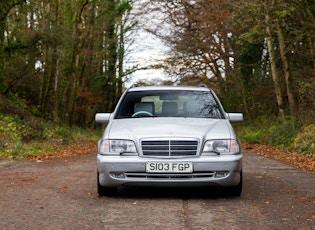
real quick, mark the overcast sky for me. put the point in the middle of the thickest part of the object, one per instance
(146, 50)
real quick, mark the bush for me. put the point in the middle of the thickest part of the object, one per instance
(305, 140)
(252, 135)
(277, 132)
(281, 134)
(11, 129)
(21, 138)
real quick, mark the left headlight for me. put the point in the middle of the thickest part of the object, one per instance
(116, 146)
(221, 146)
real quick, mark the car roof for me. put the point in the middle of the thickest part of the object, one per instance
(151, 88)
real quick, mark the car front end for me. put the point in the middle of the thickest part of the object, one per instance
(172, 150)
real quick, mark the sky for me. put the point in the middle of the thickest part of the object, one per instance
(146, 50)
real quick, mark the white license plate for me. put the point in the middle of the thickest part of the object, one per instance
(169, 167)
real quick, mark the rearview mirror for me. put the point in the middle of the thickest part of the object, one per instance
(169, 97)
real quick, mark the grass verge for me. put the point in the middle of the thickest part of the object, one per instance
(20, 138)
(286, 134)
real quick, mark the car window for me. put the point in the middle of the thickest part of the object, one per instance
(175, 103)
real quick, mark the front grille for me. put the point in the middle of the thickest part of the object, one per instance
(169, 148)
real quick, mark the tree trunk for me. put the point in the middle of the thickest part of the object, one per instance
(286, 69)
(111, 55)
(75, 63)
(272, 59)
(121, 54)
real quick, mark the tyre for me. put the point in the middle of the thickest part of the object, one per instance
(236, 190)
(105, 191)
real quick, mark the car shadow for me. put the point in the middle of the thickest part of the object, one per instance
(173, 192)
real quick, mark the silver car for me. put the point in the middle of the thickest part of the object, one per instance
(169, 136)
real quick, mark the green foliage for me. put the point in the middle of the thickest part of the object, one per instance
(60, 60)
(50, 52)
(280, 133)
(252, 135)
(23, 133)
(305, 140)
(10, 130)
(122, 7)
(21, 138)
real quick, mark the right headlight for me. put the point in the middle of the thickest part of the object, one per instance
(117, 147)
(221, 146)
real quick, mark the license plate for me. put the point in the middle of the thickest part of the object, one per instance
(169, 167)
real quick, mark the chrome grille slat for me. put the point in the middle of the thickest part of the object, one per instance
(169, 147)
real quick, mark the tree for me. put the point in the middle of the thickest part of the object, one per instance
(55, 53)
(201, 41)
(251, 52)
(66, 59)
(5, 8)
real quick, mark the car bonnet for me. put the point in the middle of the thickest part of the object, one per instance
(139, 128)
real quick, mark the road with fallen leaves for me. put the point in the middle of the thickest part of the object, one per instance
(61, 194)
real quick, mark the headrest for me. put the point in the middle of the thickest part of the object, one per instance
(169, 107)
(144, 106)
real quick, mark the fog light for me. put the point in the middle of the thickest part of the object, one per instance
(117, 175)
(221, 174)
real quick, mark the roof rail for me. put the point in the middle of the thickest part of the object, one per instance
(133, 86)
(203, 85)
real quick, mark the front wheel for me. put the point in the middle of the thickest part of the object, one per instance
(105, 191)
(236, 190)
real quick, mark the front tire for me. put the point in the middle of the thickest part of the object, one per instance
(105, 191)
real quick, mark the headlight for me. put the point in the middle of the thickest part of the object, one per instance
(221, 146)
(117, 146)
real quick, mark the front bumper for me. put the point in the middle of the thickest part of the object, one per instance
(223, 170)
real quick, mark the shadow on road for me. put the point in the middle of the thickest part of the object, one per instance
(173, 193)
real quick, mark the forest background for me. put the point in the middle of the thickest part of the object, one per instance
(61, 61)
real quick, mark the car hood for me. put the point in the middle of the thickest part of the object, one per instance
(138, 128)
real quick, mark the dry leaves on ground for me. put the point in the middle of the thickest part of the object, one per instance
(68, 151)
(299, 160)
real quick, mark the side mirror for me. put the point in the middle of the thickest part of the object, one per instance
(102, 117)
(235, 117)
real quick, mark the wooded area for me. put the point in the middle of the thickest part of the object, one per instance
(65, 59)
(258, 55)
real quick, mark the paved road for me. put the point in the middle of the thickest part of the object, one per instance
(61, 194)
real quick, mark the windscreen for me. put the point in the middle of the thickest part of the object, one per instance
(174, 103)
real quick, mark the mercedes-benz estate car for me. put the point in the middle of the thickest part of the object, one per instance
(169, 136)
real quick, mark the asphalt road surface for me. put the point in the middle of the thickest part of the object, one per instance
(61, 194)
